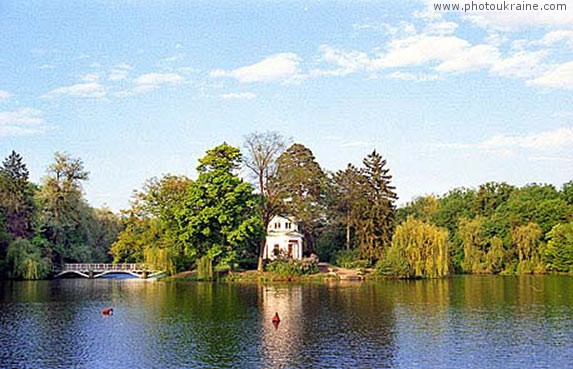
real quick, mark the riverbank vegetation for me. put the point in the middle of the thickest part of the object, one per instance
(218, 221)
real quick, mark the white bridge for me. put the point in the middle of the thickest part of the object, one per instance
(138, 270)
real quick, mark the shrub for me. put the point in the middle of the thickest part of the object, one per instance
(350, 259)
(291, 268)
(393, 264)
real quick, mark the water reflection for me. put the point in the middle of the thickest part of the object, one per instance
(469, 322)
(324, 326)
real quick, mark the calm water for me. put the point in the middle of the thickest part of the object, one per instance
(464, 322)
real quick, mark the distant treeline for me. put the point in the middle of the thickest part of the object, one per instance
(218, 221)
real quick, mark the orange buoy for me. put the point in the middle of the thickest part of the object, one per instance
(108, 311)
(276, 318)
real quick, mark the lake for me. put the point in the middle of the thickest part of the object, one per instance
(461, 322)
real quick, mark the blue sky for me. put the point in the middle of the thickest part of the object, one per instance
(142, 88)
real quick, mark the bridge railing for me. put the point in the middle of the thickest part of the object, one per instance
(103, 267)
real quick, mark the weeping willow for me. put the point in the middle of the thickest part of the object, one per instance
(158, 258)
(423, 246)
(25, 261)
(471, 234)
(526, 240)
(205, 267)
(494, 258)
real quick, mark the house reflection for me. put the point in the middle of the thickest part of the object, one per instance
(322, 326)
(282, 343)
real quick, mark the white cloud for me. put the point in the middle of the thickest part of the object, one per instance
(91, 77)
(89, 90)
(441, 28)
(557, 139)
(420, 49)
(278, 67)
(346, 61)
(156, 79)
(472, 58)
(420, 77)
(522, 64)
(357, 144)
(238, 96)
(554, 37)
(119, 72)
(4, 94)
(21, 122)
(151, 81)
(560, 76)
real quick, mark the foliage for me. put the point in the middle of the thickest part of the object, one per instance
(527, 240)
(290, 268)
(559, 251)
(16, 196)
(377, 215)
(473, 239)
(495, 256)
(350, 259)
(218, 216)
(26, 261)
(150, 226)
(63, 209)
(347, 200)
(158, 258)
(302, 183)
(205, 268)
(330, 242)
(393, 264)
(53, 217)
(420, 246)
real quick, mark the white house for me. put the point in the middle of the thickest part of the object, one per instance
(283, 239)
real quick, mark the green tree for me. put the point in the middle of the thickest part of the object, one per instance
(567, 192)
(473, 239)
(103, 227)
(423, 208)
(26, 261)
(559, 251)
(376, 225)
(490, 196)
(421, 246)
(301, 183)
(62, 206)
(16, 196)
(526, 240)
(263, 150)
(150, 229)
(494, 258)
(219, 217)
(349, 198)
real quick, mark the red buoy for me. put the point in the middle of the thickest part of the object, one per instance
(276, 318)
(108, 311)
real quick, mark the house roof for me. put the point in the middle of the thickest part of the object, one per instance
(274, 233)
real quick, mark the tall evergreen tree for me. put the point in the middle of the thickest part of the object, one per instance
(376, 226)
(16, 196)
(348, 199)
